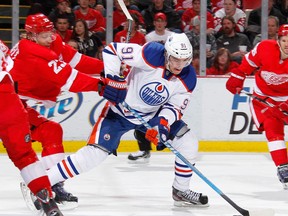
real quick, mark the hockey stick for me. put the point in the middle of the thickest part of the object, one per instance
(129, 18)
(265, 102)
(180, 156)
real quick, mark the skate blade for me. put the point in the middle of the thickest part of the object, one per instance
(67, 206)
(27, 197)
(139, 161)
(189, 205)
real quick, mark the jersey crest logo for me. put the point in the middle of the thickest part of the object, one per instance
(273, 78)
(154, 94)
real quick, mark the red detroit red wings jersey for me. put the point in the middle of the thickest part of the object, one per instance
(41, 73)
(272, 76)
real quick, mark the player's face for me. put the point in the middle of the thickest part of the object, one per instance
(45, 38)
(283, 42)
(176, 65)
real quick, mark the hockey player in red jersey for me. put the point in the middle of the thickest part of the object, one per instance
(269, 61)
(43, 66)
(15, 134)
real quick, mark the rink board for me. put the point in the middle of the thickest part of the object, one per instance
(221, 121)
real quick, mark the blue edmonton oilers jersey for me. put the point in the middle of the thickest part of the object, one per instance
(151, 85)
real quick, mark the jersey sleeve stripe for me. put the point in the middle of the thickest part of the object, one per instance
(75, 60)
(70, 80)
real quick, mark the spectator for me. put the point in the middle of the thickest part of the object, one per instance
(135, 37)
(194, 38)
(142, 5)
(98, 5)
(94, 19)
(73, 43)
(222, 63)
(190, 13)
(88, 42)
(254, 20)
(35, 8)
(119, 18)
(273, 26)
(45, 8)
(230, 9)
(173, 18)
(233, 40)
(282, 5)
(62, 27)
(219, 4)
(182, 5)
(62, 7)
(196, 61)
(160, 33)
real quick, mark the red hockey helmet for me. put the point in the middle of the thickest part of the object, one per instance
(283, 30)
(38, 23)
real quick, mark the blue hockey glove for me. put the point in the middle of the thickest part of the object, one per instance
(159, 132)
(114, 89)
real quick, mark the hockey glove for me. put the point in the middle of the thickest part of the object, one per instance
(159, 132)
(114, 89)
(236, 81)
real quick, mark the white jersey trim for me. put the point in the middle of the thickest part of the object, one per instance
(75, 60)
(70, 80)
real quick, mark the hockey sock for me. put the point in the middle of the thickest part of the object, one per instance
(83, 160)
(183, 175)
(278, 152)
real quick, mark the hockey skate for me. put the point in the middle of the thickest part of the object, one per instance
(189, 198)
(48, 205)
(62, 195)
(282, 172)
(35, 206)
(139, 157)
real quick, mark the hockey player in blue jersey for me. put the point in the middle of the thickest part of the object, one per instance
(159, 88)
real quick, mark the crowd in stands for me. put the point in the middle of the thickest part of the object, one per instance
(232, 31)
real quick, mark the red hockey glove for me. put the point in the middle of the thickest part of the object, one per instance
(159, 132)
(113, 89)
(236, 81)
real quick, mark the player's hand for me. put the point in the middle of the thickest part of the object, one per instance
(159, 132)
(114, 89)
(235, 82)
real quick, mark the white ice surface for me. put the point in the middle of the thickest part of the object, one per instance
(117, 188)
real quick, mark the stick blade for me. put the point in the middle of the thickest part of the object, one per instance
(260, 212)
(124, 9)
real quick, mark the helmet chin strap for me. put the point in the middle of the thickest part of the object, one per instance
(167, 65)
(283, 54)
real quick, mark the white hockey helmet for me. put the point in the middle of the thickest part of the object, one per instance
(179, 46)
